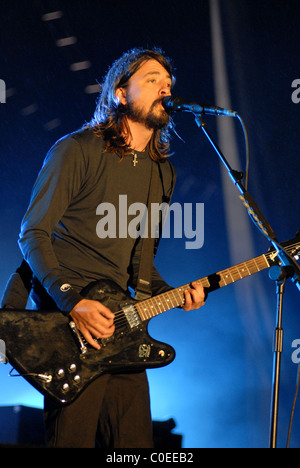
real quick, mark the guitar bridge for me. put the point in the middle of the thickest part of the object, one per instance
(83, 349)
(132, 315)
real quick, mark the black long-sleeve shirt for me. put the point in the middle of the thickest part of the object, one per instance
(62, 236)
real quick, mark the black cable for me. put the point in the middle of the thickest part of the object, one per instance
(247, 150)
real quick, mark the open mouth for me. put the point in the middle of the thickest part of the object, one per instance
(157, 102)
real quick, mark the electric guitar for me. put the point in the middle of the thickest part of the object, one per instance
(50, 353)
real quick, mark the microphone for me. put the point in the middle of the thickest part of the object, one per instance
(177, 104)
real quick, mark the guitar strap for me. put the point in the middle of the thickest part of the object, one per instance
(144, 281)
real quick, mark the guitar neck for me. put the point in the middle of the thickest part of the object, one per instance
(175, 297)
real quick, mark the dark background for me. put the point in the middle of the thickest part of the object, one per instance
(218, 389)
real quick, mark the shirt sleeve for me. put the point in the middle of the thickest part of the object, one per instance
(58, 181)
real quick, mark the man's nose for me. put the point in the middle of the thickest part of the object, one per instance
(165, 90)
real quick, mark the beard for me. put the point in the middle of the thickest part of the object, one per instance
(155, 119)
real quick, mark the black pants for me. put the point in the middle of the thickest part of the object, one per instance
(113, 411)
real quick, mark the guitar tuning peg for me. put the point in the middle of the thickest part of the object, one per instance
(295, 253)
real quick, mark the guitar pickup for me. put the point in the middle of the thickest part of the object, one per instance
(131, 315)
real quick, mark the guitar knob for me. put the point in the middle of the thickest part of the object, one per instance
(77, 378)
(65, 387)
(60, 373)
(72, 367)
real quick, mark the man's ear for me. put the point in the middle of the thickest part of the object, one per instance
(121, 95)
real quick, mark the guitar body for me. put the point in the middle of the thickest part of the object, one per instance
(43, 349)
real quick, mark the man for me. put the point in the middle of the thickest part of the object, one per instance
(111, 156)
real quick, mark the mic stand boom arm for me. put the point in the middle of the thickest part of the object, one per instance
(253, 210)
(289, 268)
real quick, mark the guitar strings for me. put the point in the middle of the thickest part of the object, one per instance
(121, 320)
(120, 317)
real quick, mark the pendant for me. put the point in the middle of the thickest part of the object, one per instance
(134, 159)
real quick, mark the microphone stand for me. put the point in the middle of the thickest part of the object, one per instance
(289, 268)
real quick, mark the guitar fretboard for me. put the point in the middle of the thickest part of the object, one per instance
(176, 298)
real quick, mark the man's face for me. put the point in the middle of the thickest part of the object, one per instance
(144, 93)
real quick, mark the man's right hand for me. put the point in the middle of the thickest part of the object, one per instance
(94, 320)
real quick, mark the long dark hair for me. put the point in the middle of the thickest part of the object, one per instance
(108, 121)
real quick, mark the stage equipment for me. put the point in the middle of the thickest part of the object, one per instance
(288, 269)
